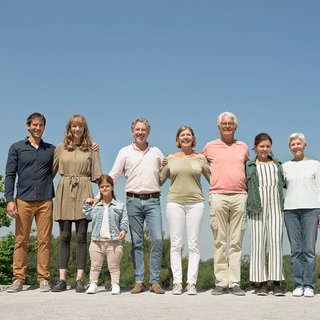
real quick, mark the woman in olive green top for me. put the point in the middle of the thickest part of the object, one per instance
(185, 205)
(78, 166)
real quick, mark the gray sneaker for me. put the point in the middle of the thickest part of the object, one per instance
(44, 286)
(237, 291)
(16, 286)
(218, 290)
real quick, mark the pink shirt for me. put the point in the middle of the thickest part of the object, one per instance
(227, 166)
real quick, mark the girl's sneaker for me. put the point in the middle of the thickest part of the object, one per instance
(93, 288)
(115, 288)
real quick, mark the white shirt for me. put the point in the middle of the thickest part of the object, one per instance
(104, 231)
(140, 168)
(303, 184)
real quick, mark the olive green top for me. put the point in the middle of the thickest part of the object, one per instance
(185, 174)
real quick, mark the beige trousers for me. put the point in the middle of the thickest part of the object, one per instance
(228, 224)
(112, 250)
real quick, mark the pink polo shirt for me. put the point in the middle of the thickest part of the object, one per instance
(227, 166)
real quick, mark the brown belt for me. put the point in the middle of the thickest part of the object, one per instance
(144, 196)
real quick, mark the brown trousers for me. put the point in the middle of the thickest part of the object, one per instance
(42, 212)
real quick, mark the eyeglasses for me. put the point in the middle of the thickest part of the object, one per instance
(227, 124)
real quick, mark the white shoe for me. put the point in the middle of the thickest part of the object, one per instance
(93, 288)
(308, 292)
(297, 292)
(177, 289)
(115, 288)
(191, 289)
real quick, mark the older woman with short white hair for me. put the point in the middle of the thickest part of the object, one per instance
(301, 213)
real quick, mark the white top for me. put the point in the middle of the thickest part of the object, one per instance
(303, 184)
(104, 231)
(140, 168)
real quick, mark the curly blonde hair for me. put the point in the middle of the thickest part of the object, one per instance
(86, 142)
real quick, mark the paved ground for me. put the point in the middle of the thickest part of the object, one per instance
(32, 304)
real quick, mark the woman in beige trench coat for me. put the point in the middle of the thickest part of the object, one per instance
(78, 166)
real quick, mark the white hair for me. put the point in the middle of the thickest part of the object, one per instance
(297, 135)
(228, 114)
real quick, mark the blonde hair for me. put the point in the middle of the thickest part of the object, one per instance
(86, 142)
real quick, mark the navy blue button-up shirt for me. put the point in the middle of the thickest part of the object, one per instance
(34, 170)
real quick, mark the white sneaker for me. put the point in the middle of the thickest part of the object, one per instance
(177, 289)
(191, 289)
(297, 292)
(308, 292)
(115, 288)
(93, 288)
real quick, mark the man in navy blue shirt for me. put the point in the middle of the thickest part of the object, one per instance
(30, 161)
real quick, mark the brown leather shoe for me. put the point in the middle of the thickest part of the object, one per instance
(155, 287)
(138, 288)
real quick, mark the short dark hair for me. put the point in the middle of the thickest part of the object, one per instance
(34, 116)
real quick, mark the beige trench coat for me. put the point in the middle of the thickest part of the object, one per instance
(77, 170)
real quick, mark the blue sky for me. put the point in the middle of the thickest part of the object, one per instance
(173, 62)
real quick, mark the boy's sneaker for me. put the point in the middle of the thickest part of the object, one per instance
(44, 286)
(191, 289)
(308, 292)
(16, 286)
(177, 289)
(297, 292)
(60, 286)
(93, 288)
(115, 288)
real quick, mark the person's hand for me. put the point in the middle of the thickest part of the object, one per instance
(95, 146)
(94, 201)
(122, 235)
(90, 201)
(11, 209)
(164, 161)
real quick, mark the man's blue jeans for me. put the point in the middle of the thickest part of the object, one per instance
(149, 211)
(302, 232)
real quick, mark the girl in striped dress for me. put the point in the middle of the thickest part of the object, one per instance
(265, 209)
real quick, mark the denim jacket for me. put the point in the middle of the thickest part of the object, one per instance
(117, 214)
(254, 201)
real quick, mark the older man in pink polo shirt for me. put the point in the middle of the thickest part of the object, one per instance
(228, 196)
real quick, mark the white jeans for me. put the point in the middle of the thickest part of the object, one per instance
(178, 216)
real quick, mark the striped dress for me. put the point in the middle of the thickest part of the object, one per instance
(266, 229)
